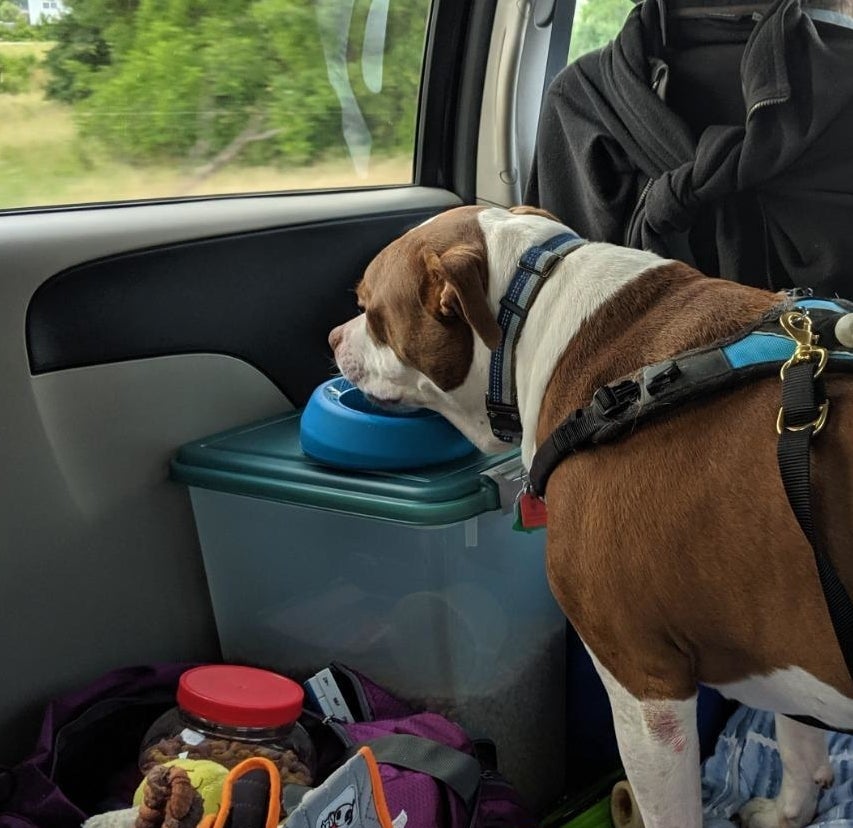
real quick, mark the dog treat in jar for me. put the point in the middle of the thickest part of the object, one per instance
(226, 714)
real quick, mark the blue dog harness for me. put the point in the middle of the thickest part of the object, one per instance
(656, 389)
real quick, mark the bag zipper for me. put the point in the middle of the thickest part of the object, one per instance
(337, 726)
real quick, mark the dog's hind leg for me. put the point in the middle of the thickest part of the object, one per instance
(659, 745)
(805, 771)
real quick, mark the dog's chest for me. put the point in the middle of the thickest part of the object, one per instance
(795, 692)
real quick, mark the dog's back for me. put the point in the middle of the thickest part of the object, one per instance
(674, 551)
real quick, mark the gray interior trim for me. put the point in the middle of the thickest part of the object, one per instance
(498, 180)
(830, 16)
(512, 98)
(100, 560)
(45, 242)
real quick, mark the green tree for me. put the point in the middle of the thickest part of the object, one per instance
(15, 24)
(596, 23)
(10, 13)
(86, 38)
(209, 81)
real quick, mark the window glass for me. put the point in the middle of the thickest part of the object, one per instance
(596, 22)
(105, 100)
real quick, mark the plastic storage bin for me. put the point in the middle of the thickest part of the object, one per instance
(414, 578)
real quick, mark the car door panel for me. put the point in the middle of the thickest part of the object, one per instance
(240, 294)
(125, 332)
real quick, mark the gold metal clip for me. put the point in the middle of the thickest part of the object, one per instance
(818, 424)
(799, 327)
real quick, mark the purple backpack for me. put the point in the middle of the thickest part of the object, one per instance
(85, 759)
(428, 766)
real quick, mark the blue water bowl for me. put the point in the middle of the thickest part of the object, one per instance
(341, 427)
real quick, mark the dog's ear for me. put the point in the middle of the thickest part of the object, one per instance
(455, 279)
(525, 210)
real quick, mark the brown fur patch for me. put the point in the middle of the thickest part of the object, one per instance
(527, 210)
(674, 551)
(420, 330)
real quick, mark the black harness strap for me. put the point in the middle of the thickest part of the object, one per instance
(804, 410)
(584, 428)
(801, 417)
(623, 406)
(802, 398)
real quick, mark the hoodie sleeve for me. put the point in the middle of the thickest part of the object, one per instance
(580, 172)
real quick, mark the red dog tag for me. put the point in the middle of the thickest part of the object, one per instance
(534, 511)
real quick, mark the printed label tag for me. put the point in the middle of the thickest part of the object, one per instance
(191, 737)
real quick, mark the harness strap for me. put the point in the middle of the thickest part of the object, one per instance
(629, 402)
(813, 722)
(804, 407)
(599, 422)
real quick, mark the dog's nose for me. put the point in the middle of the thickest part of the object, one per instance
(335, 337)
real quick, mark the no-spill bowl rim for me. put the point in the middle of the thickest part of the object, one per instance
(340, 427)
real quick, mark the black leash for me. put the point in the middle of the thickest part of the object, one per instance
(804, 411)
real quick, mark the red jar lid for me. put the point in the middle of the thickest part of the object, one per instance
(240, 696)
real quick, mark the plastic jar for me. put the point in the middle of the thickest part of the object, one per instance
(226, 714)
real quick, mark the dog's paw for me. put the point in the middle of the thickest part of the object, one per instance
(760, 813)
(768, 813)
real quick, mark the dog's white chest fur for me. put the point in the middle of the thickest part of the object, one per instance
(796, 692)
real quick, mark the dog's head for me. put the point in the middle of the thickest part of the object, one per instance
(428, 324)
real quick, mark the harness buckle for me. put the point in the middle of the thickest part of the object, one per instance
(504, 420)
(818, 423)
(664, 376)
(612, 399)
(529, 262)
(799, 327)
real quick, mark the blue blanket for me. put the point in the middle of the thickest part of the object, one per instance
(746, 764)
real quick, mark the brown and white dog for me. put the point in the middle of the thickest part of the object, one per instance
(674, 551)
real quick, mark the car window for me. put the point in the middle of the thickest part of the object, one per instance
(596, 22)
(106, 100)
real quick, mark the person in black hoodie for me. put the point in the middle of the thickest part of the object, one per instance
(722, 139)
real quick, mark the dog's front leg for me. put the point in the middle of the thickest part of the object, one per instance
(659, 745)
(805, 770)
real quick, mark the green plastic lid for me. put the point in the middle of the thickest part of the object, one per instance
(265, 460)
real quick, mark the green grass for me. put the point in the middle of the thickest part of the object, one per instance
(29, 47)
(44, 162)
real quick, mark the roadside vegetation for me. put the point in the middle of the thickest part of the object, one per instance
(130, 99)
